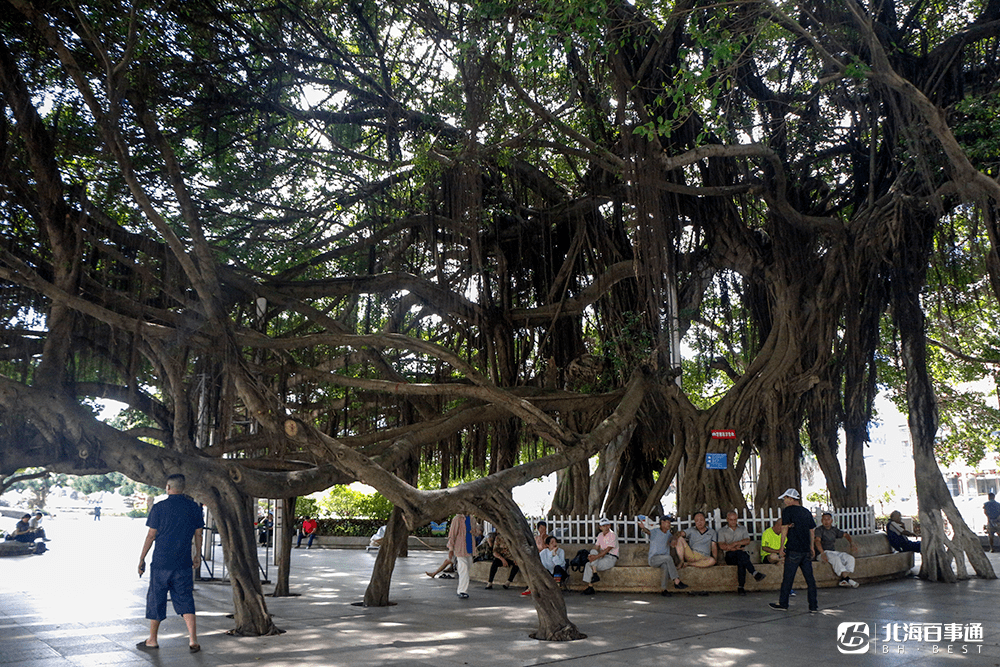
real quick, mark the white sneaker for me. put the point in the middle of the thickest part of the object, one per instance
(845, 582)
(853, 583)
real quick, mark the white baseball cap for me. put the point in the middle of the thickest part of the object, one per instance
(604, 522)
(790, 493)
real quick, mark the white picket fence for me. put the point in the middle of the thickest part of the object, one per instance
(584, 529)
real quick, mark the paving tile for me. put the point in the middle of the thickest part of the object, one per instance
(41, 662)
(25, 650)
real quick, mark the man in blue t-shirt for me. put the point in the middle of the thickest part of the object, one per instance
(172, 525)
(798, 532)
(991, 508)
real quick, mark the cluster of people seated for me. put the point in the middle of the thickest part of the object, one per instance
(28, 529)
(553, 557)
(700, 546)
(671, 550)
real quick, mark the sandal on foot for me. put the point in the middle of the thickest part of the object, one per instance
(143, 646)
(194, 648)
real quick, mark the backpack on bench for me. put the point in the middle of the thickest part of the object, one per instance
(579, 560)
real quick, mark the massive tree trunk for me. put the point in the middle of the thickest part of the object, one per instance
(611, 460)
(553, 621)
(941, 559)
(572, 492)
(283, 548)
(821, 405)
(396, 535)
(234, 519)
(699, 488)
(781, 467)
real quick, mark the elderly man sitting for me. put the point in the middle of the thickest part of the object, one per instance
(699, 547)
(826, 541)
(733, 539)
(604, 557)
(661, 543)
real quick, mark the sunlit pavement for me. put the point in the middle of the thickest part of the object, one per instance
(82, 603)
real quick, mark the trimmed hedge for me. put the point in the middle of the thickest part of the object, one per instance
(358, 528)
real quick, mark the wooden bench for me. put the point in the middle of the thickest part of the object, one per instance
(875, 561)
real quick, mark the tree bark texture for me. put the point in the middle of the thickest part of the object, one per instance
(941, 559)
(396, 535)
(553, 620)
(283, 549)
(572, 492)
(234, 520)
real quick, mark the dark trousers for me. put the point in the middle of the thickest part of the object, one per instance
(795, 560)
(900, 543)
(312, 536)
(741, 559)
(497, 564)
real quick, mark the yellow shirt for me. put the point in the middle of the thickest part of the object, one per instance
(769, 539)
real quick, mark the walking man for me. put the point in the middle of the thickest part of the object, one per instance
(172, 524)
(798, 532)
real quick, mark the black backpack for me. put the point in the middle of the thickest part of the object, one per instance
(579, 560)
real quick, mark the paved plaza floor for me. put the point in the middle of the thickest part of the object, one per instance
(82, 604)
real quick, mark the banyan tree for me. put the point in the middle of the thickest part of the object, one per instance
(316, 242)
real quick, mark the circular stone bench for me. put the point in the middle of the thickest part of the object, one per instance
(14, 548)
(875, 561)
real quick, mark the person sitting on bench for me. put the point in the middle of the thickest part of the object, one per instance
(897, 534)
(23, 531)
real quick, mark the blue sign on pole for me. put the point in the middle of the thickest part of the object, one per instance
(715, 461)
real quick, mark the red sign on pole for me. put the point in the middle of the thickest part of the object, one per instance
(723, 434)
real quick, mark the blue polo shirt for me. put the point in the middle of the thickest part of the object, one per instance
(175, 520)
(659, 542)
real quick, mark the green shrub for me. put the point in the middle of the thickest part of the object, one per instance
(138, 513)
(359, 528)
(346, 503)
(306, 507)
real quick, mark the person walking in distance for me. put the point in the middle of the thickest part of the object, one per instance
(798, 532)
(172, 524)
